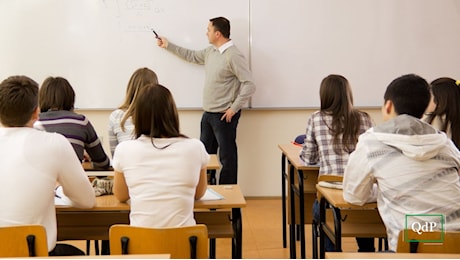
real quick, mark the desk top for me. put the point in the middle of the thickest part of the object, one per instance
(335, 198)
(292, 152)
(213, 164)
(355, 255)
(132, 256)
(233, 198)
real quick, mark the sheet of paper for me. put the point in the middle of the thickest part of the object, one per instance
(60, 198)
(333, 185)
(212, 195)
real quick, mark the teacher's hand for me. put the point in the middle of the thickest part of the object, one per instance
(162, 42)
(228, 115)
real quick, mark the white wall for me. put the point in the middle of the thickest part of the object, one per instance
(259, 133)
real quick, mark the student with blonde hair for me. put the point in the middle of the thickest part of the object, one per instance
(120, 124)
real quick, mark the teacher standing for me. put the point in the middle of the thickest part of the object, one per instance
(227, 88)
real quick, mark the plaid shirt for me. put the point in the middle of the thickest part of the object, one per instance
(318, 148)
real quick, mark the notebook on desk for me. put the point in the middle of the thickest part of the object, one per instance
(333, 185)
(212, 195)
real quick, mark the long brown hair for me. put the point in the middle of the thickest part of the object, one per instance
(337, 101)
(446, 94)
(155, 114)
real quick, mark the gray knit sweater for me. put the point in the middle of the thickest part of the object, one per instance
(228, 80)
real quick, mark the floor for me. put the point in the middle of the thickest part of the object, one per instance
(262, 234)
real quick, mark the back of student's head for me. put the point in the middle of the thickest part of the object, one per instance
(410, 94)
(337, 100)
(335, 94)
(18, 100)
(56, 93)
(155, 113)
(446, 96)
(139, 78)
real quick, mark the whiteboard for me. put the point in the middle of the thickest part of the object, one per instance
(291, 45)
(296, 43)
(98, 44)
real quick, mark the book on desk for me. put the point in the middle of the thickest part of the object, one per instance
(61, 199)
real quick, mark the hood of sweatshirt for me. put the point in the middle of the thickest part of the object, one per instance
(413, 137)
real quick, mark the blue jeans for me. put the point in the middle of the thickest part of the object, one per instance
(217, 134)
(365, 244)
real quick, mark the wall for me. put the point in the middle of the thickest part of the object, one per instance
(259, 133)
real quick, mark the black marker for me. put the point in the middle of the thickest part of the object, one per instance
(156, 35)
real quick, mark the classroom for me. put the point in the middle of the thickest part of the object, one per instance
(291, 45)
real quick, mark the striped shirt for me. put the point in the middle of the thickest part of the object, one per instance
(116, 134)
(318, 147)
(78, 130)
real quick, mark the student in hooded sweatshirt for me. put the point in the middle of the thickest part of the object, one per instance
(415, 167)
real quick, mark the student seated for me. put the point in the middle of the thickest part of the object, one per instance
(331, 135)
(57, 99)
(162, 171)
(32, 162)
(415, 166)
(444, 108)
(120, 124)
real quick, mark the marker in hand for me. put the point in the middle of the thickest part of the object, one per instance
(156, 36)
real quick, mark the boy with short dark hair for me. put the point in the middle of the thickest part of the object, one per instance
(414, 165)
(32, 162)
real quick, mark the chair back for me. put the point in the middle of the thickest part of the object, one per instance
(410, 241)
(23, 241)
(179, 242)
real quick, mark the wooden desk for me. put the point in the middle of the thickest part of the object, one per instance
(94, 223)
(355, 255)
(371, 226)
(307, 176)
(151, 256)
(212, 166)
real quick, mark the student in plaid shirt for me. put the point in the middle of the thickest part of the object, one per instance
(332, 134)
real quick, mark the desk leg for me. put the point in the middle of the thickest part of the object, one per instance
(237, 245)
(302, 214)
(338, 229)
(292, 232)
(212, 175)
(322, 222)
(212, 248)
(283, 197)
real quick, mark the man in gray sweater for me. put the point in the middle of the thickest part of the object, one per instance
(228, 86)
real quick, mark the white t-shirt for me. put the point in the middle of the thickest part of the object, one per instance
(161, 182)
(31, 162)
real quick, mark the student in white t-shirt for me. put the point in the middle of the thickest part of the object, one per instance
(162, 171)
